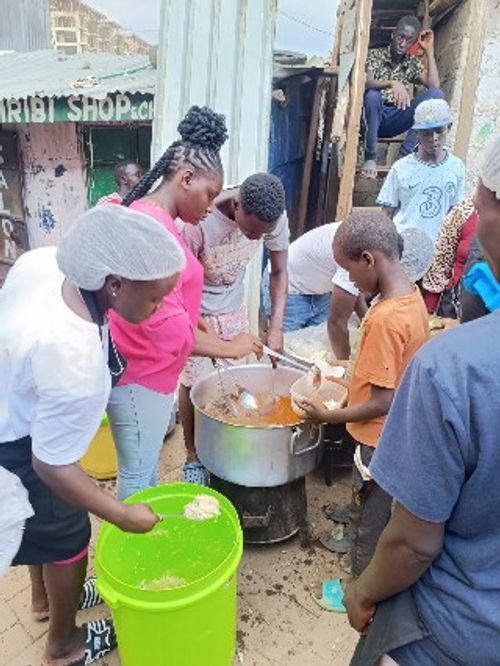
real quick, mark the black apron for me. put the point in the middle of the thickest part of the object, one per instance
(57, 530)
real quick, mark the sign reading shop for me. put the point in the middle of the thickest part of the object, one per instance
(77, 109)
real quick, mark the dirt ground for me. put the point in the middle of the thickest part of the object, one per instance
(278, 620)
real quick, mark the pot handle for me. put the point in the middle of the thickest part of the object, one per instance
(297, 431)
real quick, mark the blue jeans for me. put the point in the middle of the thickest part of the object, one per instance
(385, 121)
(304, 310)
(301, 310)
(139, 420)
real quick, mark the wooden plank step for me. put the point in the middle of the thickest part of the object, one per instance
(394, 139)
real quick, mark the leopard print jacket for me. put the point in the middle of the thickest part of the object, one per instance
(440, 273)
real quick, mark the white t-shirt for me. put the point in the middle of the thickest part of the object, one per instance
(311, 266)
(54, 379)
(423, 192)
(225, 253)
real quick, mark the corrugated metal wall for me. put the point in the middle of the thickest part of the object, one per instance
(24, 25)
(219, 53)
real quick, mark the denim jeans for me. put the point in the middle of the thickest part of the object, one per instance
(139, 420)
(385, 121)
(301, 310)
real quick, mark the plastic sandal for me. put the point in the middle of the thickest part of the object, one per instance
(332, 596)
(340, 546)
(194, 472)
(339, 513)
(90, 595)
(100, 640)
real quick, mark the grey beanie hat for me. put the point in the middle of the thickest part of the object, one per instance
(114, 240)
(418, 253)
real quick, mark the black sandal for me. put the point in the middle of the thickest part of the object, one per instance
(90, 595)
(100, 640)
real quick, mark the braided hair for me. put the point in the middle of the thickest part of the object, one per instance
(203, 132)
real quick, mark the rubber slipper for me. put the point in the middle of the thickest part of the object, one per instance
(100, 640)
(194, 472)
(339, 513)
(335, 545)
(90, 595)
(332, 596)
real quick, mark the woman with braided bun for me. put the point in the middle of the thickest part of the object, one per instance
(140, 406)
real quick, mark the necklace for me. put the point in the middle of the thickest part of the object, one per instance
(115, 359)
(80, 295)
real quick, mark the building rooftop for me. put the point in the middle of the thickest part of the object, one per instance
(51, 74)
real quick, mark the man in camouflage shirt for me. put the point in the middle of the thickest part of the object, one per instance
(388, 108)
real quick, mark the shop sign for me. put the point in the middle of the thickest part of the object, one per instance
(77, 109)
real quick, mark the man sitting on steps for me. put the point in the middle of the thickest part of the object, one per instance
(388, 109)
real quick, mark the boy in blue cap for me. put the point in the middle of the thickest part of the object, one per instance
(422, 187)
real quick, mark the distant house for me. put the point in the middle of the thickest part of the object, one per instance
(78, 28)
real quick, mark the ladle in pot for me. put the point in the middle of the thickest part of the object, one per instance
(244, 398)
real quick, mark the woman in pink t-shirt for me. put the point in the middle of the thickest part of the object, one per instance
(156, 351)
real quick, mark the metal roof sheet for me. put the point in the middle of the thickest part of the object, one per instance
(51, 74)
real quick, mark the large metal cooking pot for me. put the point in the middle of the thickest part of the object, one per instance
(253, 456)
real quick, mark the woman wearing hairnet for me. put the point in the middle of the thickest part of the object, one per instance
(190, 177)
(54, 386)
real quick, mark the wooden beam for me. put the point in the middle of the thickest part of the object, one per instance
(330, 103)
(470, 76)
(438, 6)
(309, 157)
(358, 90)
(426, 20)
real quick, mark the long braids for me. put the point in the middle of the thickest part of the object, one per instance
(203, 132)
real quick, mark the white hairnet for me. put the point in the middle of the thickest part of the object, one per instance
(114, 240)
(490, 165)
(418, 253)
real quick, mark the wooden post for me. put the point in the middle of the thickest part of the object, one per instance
(357, 93)
(439, 6)
(309, 157)
(470, 76)
(326, 165)
(427, 21)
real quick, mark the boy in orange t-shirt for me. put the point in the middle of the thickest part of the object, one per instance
(394, 328)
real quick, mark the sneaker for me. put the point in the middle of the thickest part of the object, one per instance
(339, 513)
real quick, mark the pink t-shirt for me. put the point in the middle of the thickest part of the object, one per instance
(113, 198)
(157, 350)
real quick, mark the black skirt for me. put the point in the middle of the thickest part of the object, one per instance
(57, 530)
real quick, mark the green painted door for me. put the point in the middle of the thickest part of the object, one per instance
(104, 147)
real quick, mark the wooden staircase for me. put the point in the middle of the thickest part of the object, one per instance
(366, 190)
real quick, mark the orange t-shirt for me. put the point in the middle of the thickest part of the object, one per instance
(393, 331)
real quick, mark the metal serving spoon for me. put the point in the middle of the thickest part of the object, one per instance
(244, 398)
(296, 364)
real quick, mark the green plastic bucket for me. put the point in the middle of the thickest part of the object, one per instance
(191, 620)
